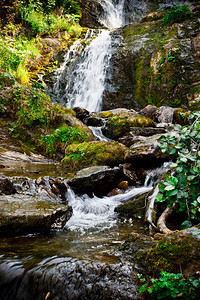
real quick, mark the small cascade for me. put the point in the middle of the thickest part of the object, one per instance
(153, 176)
(97, 131)
(97, 213)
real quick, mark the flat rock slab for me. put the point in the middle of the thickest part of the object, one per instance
(98, 179)
(27, 214)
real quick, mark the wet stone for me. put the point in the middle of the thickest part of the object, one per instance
(98, 179)
(6, 186)
(28, 214)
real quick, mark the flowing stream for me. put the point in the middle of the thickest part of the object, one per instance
(81, 262)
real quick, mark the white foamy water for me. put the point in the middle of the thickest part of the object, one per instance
(84, 81)
(95, 212)
(85, 84)
(97, 131)
(113, 13)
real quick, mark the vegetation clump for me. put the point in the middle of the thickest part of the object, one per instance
(20, 40)
(182, 187)
(61, 138)
(37, 122)
(170, 286)
(177, 13)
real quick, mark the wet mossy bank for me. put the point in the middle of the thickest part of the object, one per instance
(176, 253)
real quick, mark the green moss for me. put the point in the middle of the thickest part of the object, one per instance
(181, 116)
(134, 208)
(106, 114)
(93, 153)
(172, 254)
(156, 71)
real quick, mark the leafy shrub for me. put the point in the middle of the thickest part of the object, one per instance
(177, 13)
(44, 22)
(32, 106)
(15, 53)
(68, 6)
(169, 286)
(183, 186)
(61, 138)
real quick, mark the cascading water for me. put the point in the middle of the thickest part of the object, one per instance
(85, 79)
(97, 212)
(113, 13)
(86, 84)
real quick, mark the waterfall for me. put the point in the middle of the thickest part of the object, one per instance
(85, 77)
(85, 83)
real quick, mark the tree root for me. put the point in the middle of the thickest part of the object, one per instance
(150, 209)
(161, 224)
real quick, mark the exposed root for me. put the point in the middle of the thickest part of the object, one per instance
(161, 224)
(150, 209)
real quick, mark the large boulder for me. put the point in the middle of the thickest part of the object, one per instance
(135, 207)
(146, 152)
(120, 121)
(137, 134)
(28, 214)
(78, 156)
(91, 11)
(98, 180)
(172, 251)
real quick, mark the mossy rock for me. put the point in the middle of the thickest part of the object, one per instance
(181, 116)
(147, 153)
(149, 66)
(180, 250)
(78, 156)
(133, 208)
(121, 121)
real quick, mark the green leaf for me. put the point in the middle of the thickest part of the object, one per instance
(174, 165)
(172, 180)
(196, 283)
(160, 198)
(172, 150)
(197, 126)
(183, 159)
(186, 224)
(169, 188)
(143, 288)
(150, 290)
(172, 193)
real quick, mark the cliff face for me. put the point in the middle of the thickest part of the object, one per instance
(156, 64)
